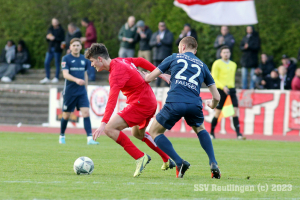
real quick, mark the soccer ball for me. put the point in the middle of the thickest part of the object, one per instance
(83, 165)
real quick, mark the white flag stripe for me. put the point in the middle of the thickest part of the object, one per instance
(222, 13)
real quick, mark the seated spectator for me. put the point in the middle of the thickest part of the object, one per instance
(8, 53)
(265, 67)
(22, 58)
(285, 80)
(271, 81)
(296, 80)
(73, 32)
(290, 65)
(187, 31)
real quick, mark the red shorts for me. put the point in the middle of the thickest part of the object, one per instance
(135, 114)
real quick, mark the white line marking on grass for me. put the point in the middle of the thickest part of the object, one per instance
(36, 182)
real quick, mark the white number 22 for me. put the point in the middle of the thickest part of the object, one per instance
(192, 79)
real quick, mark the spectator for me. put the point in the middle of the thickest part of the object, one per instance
(285, 81)
(225, 38)
(271, 81)
(187, 31)
(290, 66)
(88, 40)
(250, 46)
(126, 36)
(8, 53)
(161, 41)
(265, 67)
(143, 36)
(73, 32)
(55, 36)
(22, 58)
(296, 80)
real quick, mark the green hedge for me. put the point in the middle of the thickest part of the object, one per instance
(279, 24)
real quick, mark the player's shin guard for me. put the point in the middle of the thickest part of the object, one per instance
(164, 144)
(128, 146)
(214, 123)
(149, 141)
(236, 124)
(63, 126)
(87, 126)
(206, 144)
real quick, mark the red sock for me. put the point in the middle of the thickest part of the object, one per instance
(128, 146)
(149, 141)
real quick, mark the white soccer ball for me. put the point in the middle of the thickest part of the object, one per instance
(83, 165)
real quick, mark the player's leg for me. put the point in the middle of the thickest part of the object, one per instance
(194, 118)
(87, 125)
(235, 117)
(114, 130)
(218, 109)
(63, 126)
(83, 105)
(141, 134)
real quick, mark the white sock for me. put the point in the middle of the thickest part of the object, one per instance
(89, 138)
(61, 137)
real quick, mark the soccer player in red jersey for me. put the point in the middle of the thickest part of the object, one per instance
(125, 77)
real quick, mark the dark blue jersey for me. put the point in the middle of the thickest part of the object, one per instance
(77, 67)
(187, 74)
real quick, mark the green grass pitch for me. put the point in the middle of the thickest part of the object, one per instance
(35, 166)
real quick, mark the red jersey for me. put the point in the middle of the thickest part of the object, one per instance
(124, 76)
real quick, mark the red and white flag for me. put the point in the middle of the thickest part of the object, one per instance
(220, 12)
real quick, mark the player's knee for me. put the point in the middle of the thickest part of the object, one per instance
(66, 116)
(138, 135)
(85, 114)
(109, 132)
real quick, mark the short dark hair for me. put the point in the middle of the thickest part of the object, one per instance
(86, 20)
(75, 40)
(97, 49)
(190, 42)
(224, 47)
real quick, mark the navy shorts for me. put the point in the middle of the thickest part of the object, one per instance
(173, 112)
(70, 102)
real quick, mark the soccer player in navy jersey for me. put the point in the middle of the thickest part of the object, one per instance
(187, 74)
(74, 67)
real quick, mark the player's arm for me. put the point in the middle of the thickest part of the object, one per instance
(153, 75)
(215, 97)
(86, 78)
(69, 77)
(145, 64)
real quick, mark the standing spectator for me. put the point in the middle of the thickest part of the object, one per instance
(250, 46)
(161, 41)
(73, 32)
(126, 36)
(225, 38)
(55, 36)
(296, 80)
(187, 31)
(22, 57)
(265, 67)
(285, 81)
(88, 40)
(290, 66)
(143, 36)
(271, 81)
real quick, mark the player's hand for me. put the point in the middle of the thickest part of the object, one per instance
(209, 103)
(226, 90)
(80, 82)
(165, 77)
(99, 131)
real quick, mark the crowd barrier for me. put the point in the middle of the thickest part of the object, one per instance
(261, 112)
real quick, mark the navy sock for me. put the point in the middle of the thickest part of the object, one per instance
(87, 126)
(63, 126)
(206, 144)
(164, 144)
